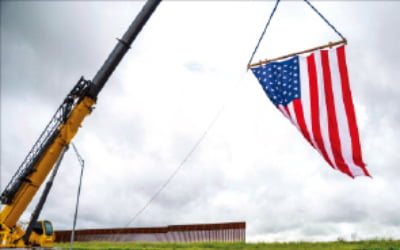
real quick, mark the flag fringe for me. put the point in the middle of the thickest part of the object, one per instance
(330, 45)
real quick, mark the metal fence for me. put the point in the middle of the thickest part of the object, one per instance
(219, 232)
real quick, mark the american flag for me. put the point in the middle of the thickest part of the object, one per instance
(313, 92)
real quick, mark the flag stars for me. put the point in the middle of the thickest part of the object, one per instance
(280, 80)
(283, 89)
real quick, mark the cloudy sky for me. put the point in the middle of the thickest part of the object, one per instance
(186, 69)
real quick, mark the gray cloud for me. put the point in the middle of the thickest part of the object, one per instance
(253, 165)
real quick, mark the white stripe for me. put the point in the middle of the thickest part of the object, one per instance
(282, 109)
(305, 97)
(293, 115)
(323, 117)
(344, 132)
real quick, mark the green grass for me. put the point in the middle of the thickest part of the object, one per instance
(336, 245)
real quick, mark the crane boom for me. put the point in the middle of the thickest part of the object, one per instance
(58, 134)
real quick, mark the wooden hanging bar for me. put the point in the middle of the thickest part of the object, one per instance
(330, 45)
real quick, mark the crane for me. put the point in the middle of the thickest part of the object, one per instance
(47, 152)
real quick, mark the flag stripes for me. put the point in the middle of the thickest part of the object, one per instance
(324, 112)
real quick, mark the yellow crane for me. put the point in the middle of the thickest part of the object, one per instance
(47, 152)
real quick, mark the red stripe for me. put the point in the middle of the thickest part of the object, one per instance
(349, 108)
(333, 129)
(315, 124)
(298, 110)
(283, 111)
(287, 112)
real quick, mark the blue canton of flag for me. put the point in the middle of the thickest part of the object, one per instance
(280, 80)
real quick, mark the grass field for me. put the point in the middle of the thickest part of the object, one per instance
(337, 245)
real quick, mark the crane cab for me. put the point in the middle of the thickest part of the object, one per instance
(42, 234)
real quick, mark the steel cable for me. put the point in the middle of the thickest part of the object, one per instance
(185, 159)
(265, 29)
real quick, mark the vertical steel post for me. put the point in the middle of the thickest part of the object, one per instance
(82, 163)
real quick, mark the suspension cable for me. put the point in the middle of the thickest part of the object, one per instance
(265, 29)
(326, 20)
(269, 20)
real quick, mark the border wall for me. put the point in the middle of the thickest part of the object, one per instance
(219, 232)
